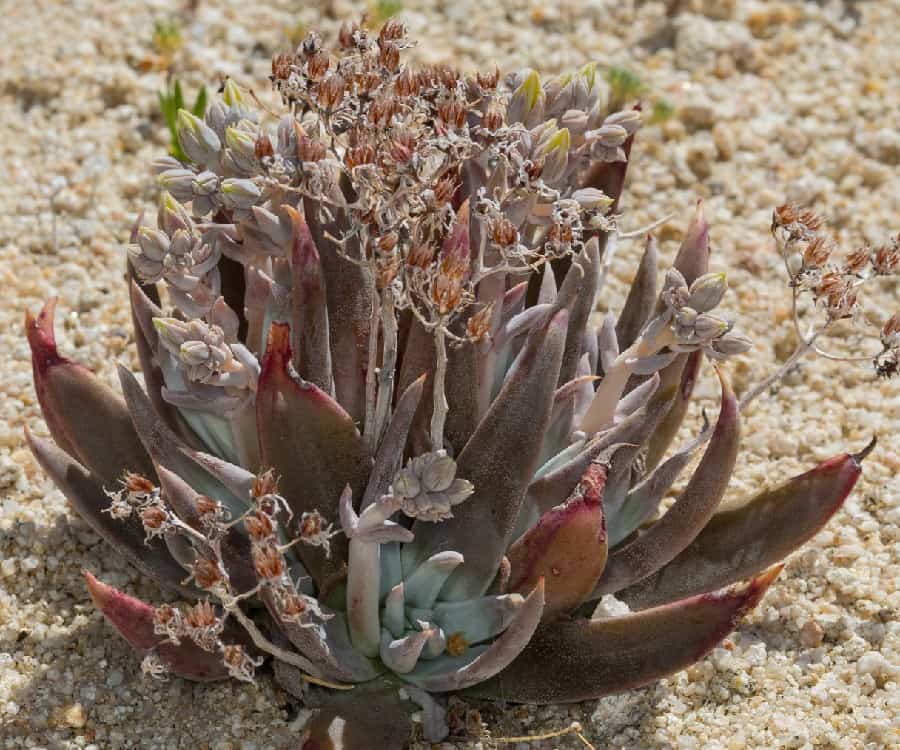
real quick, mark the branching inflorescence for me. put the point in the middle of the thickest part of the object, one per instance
(379, 437)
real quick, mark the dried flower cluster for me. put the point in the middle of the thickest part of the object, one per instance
(836, 285)
(379, 438)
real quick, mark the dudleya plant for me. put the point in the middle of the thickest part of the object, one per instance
(380, 438)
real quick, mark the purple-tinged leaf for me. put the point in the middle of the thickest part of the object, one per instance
(85, 493)
(583, 659)
(389, 454)
(168, 450)
(134, 621)
(741, 541)
(692, 258)
(641, 297)
(672, 533)
(309, 316)
(87, 419)
(567, 548)
(581, 307)
(437, 677)
(482, 526)
(311, 443)
(349, 291)
(682, 372)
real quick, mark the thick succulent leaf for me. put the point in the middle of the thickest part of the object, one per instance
(443, 675)
(234, 544)
(682, 374)
(311, 443)
(401, 654)
(168, 450)
(582, 659)
(558, 478)
(683, 521)
(462, 388)
(422, 585)
(309, 314)
(641, 297)
(419, 359)
(514, 426)
(389, 454)
(349, 292)
(85, 493)
(692, 258)
(134, 621)
(581, 308)
(567, 548)
(87, 419)
(642, 500)
(478, 620)
(741, 541)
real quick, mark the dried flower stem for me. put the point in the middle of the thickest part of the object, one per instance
(388, 364)
(439, 416)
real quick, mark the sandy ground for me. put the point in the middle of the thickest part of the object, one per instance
(772, 101)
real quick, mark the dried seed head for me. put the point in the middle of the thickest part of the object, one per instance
(488, 81)
(886, 259)
(281, 66)
(167, 622)
(447, 286)
(263, 147)
(265, 484)
(207, 573)
(444, 190)
(201, 615)
(259, 526)
(152, 666)
(389, 57)
(421, 255)
(359, 155)
(817, 252)
(310, 149)
(268, 561)
(331, 92)
(504, 232)
(479, 325)
(890, 333)
(238, 662)
(317, 66)
(407, 84)
(207, 506)
(347, 35)
(155, 520)
(137, 484)
(492, 119)
(392, 31)
(857, 260)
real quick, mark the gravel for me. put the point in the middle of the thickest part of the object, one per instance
(772, 101)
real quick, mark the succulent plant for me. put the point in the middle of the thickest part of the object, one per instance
(382, 437)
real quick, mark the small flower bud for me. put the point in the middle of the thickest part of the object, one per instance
(592, 199)
(438, 472)
(556, 156)
(708, 327)
(240, 193)
(198, 141)
(527, 102)
(268, 561)
(231, 94)
(707, 292)
(179, 182)
(732, 344)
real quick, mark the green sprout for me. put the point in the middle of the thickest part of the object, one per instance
(661, 111)
(167, 38)
(170, 101)
(624, 84)
(382, 10)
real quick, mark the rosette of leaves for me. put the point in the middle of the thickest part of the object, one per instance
(381, 437)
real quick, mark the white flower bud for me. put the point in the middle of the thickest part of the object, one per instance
(238, 193)
(707, 292)
(592, 198)
(708, 327)
(439, 472)
(527, 102)
(732, 344)
(198, 141)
